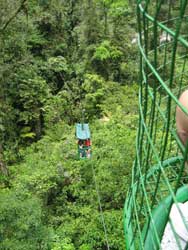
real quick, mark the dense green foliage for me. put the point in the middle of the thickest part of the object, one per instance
(57, 58)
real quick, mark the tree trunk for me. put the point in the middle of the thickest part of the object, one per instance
(105, 20)
(3, 167)
(38, 124)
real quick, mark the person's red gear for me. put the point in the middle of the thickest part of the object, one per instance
(87, 143)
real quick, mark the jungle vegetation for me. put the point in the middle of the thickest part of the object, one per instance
(57, 58)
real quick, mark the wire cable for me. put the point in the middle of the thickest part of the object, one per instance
(101, 210)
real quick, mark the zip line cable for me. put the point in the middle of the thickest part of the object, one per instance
(100, 206)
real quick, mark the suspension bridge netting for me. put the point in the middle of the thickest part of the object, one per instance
(159, 178)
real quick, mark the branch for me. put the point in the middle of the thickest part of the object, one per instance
(14, 15)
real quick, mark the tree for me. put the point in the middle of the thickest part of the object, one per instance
(32, 92)
(21, 222)
(106, 60)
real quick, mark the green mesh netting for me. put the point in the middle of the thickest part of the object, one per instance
(159, 178)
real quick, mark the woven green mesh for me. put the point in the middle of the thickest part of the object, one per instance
(159, 178)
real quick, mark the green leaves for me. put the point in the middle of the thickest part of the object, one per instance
(31, 94)
(64, 244)
(21, 224)
(106, 59)
(94, 87)
(102, 53)
(65, 186)
(120, 8)
(26, 133)
(57, 58)
(106, 51)
(58, 64)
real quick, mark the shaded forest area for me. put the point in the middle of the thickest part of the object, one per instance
(57, 58)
